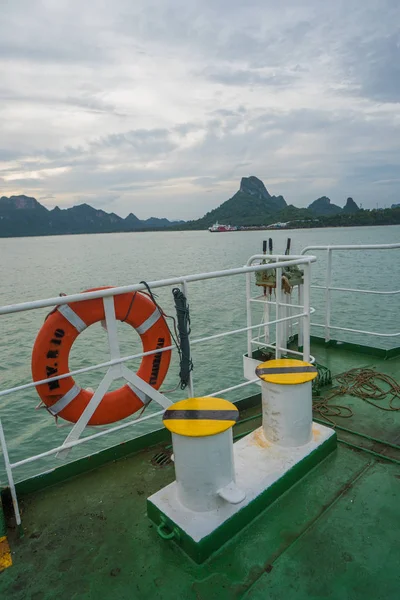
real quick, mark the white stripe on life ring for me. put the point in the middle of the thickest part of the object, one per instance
(65, 400)
(141, 395)
(149, 322)
(72, 317)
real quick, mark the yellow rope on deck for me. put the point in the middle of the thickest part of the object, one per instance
(363, 383)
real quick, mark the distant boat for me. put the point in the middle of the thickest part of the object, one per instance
(218, 228)
(277, 226)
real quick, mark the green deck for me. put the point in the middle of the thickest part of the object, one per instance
(333, 535)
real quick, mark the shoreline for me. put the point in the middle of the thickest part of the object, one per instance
(169, 230)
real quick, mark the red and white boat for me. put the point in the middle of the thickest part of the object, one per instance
(218, 228)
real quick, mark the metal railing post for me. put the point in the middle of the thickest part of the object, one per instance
(306, 318)
(248, 309)
(278, 301)
(328, 296)
(266, 320)
(300, 324)
(9, 475)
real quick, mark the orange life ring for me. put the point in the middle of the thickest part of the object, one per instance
(63, 397)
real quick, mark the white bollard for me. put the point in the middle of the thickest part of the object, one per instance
(203, 452)
(287, 401)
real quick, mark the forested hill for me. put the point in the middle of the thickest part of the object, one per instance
(25, 216)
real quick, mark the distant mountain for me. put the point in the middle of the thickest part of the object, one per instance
(322, 207)
(132, 221)
(254, 205)
(252, 186)
(20, 203)
(155, 222)
(350, 206)
(251, 205)
(23, 216)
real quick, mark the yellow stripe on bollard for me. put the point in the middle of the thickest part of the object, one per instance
(200, 417)
(286, 371)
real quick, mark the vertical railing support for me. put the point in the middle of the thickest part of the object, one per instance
(328, 296)
(300, 324)
(306, 318)
(10, 475)
(266, 320)
(248, 309)
(278, 299)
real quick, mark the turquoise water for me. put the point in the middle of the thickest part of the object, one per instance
(34, 268)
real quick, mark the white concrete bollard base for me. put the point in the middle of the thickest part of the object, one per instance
(259, 466)
(287, 413)
(204, 471)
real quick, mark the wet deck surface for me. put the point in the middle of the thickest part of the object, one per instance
(333, 535)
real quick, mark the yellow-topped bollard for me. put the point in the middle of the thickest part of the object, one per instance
(202, 441)
(287, 400)
(199, 417)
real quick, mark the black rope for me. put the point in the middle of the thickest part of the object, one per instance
(129, 309)
(183, 316)
(163, 314)
(181, 333)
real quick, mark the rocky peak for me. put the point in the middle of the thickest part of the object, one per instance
(21, 202)
(350, 206)
(322, 206)
(132, 219)
(254, 187)
(324, 201)
(83, 208)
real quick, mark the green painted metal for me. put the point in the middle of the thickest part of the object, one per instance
(375, 454)
(359, 348)
(89, 463)
(357, 560)
(89, 538)
(357, 433)
(200, 551)
(3, 528)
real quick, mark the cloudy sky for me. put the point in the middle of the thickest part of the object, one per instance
(159, 107)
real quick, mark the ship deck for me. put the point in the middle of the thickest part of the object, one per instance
(333, 535)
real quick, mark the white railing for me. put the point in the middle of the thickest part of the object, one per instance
(116, 367)
(327, 326)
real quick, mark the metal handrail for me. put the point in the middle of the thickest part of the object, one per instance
(329, 288)
(352, 247)
(337, 289)
(115, 291)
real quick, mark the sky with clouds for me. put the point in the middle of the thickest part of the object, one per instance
(159, 107)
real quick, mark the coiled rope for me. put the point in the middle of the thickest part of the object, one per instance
(364, 383)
